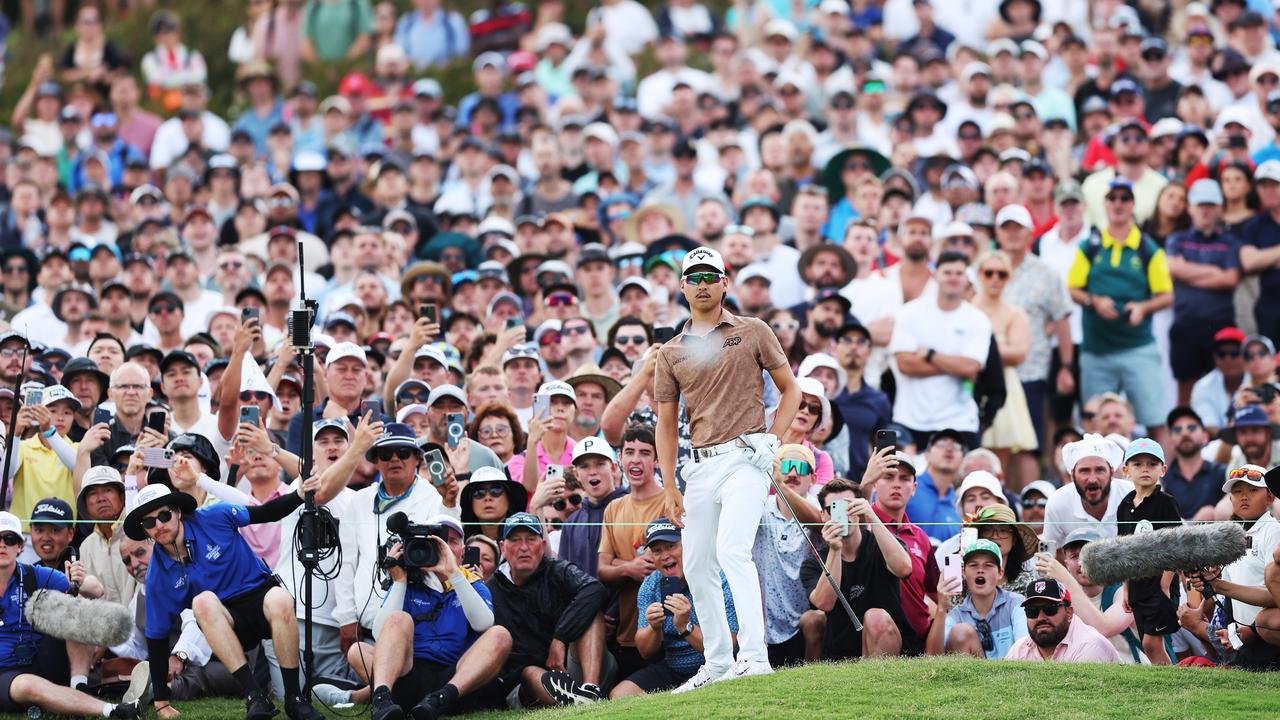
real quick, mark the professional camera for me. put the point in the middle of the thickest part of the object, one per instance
(420, 552)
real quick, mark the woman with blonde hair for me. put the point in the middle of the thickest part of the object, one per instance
(1011, 431)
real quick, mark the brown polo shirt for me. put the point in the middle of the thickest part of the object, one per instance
(720, 376)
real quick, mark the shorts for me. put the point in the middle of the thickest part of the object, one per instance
(248, 617)
(1135, 372)
(1191, 346)
(426, 677)
(660, 676)
(788, 652)
(50, 663)
(1153, 612)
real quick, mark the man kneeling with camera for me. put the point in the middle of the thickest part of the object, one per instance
(437, 648)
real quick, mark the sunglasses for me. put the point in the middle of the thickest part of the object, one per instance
(409, 397)
(799, 467)
(56, 364)
(1256, 355)
(10, 269)
(549, 339)
(574, 499)
(628, 262)
(1119, 198)
(1025, 115)
(984, 634)
(575, 330)
(970, 136)
(493, 491)
(858, 340)
(787, 326)
(280, 202)
(1227, 353)
(700, 278)
(1245, 474)
(385, 454)
(561, 299)
(149, 523)
(630, 340)
(1035, 611)
(619, 216)
(960, 240)
(13, 540)
(1028, 504)
(253, 395)
(231, 265)
(811, 408)
(842, 105)
(1188, 428)
(991, 274)
(857, 165)
(1133, 138)
(164, 309)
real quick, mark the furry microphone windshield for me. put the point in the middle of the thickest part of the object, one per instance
(1190, 547)
(92, 622)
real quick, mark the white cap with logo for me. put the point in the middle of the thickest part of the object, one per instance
(703, 257)
(593, 446)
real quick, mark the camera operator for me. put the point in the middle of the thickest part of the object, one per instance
(437, 649)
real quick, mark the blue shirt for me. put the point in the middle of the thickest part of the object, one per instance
(433, 42)
(1007, 620)
(508, 105)
(221, 562)
(680, 656)
(258, 127)
(926, 509)
(1264, 232)
(841, 215)
(16, 631)
(441, 631)
(863, 412)
(1219, 249)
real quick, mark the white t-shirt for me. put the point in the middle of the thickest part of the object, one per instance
(940, 401)
(1065, 512)
(323, 597)
(1058, 255)
(874, 297)
(1264, 536)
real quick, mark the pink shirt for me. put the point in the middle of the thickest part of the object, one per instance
(264, 538)
(515, 465)
(1082, 644)
(825, 469)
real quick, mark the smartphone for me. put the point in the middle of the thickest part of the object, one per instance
(512, 323)
(471, 556)
(247, 314)
(555, 472)
(157, 457)
(840, 513)
(428, 311)
(436, 468)
(1236, 141)
(155, 420)
(951, 568)
(457, 429)
(663, 334)
(886, 438)
(1048, 546)
(101, 415)
(670, 586)
(250, 414)
(541, 407)
(968, 536)
(32, 397)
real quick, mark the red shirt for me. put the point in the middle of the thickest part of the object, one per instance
(924, 570)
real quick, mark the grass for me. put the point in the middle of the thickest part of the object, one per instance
(933, 688)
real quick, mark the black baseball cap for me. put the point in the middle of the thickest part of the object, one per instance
(1182, 411)
(948, 433)
(176, 356)
(52, 511)
(853, 326)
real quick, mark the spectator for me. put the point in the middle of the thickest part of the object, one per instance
(935, 502)
(1093, 497)
(496, 426)
(815, 410)
(466, 455)
(1034, 498)
(102, 498)
(1211, 395)
(1012, 330)
(552, 610)
(171, 65)
(336, 29)
(663, 601)
(432, 35)
(989, 620)
(596, 468)
(1054, 632)
(1257, 253)
(488, 499)
(863, 406)
(1120, 296)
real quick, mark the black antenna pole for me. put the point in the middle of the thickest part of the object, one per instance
(9, 432)
(308, 550)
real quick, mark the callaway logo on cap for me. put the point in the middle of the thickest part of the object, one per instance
(702, 257)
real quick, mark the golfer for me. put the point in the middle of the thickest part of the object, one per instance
(716, 363)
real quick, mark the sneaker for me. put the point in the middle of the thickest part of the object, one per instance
(128, 710)
(567, 691)
(299, 708)
(704, 677)
(330, 695)
(746, 668)
(434, 706)
(258, 707)
(139, 685)
(384, 707)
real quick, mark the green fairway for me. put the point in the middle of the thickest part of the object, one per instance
(926, 688)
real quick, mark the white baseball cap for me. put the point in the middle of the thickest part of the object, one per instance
(557, 387)
(443, 391)
(981, 479)
(702, 257)
(407, 410)
(1269, 170)
(593, 446)
(341, 350)
(10, 523)
(1015, 214)
(428, 351)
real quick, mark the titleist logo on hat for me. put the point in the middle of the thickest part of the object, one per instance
(47, 509)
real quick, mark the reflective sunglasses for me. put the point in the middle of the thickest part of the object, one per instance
(1245, 474)
(574, 499)
(149, 523)
(385, 454)
(799, 467)
(1033, 503)
(701, 278)
(630, 340)
(549, 339)
(493, 491)
(561, 299)
(408, 397)
(990, 274)
(1050, 610)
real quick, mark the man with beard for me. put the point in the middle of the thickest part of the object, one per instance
(551, 349)
(115, 302)
(1132, 147)
(864, 407)
(466, 455)
(593, 390)
(1054, 633)
(1193, 481)
(826, 315)
(1253, 436)
(1093, 497)
(940, 344)
(11, 363)
(343, 192)
(711, 219)
(780, 261)
(825, 266)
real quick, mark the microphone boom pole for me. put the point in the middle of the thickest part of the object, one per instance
(308, 551)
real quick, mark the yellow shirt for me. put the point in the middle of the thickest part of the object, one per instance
(41, 475)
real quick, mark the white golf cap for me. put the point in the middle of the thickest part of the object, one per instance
(443, 391)
(11, 524)
(1253, 475)
(1015, 214)
(339, 351)
(703, 257)
(593, 446)
(431, 352)
(557, 387)
(448, 521)
(407, 410)
(1268, 170)
(981, 479)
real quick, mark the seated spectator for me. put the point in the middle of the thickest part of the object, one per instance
(989, 620)
(488, 554)
(814, 410)
(979, 489)
(42, 466)
(552, 610)
(102, 498)
(869, 558)
(1055, 633)
(1211, 395)
(489, 498)
(435, 663)
(668, 633)
(1033, 499)
(1017, 542)
(935, 501)
(1092, 497)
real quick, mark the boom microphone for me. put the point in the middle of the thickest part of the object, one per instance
(397, 523)
(1191, 547)
(91, 622)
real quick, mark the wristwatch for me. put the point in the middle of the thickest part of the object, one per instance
(275, 451)
(182, 657)
(928, 357)
(688, 629)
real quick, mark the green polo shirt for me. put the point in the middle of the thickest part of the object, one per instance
(332, 25)
(1117, 271)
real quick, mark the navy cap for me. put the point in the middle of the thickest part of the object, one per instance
(1251, 416)
(1120, 183)
(394, 435)
(52, 511)
(661, 530)
(521, 520)
(1155, 44)
(1125, 85)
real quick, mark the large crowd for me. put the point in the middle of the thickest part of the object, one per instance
(1021, 258)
